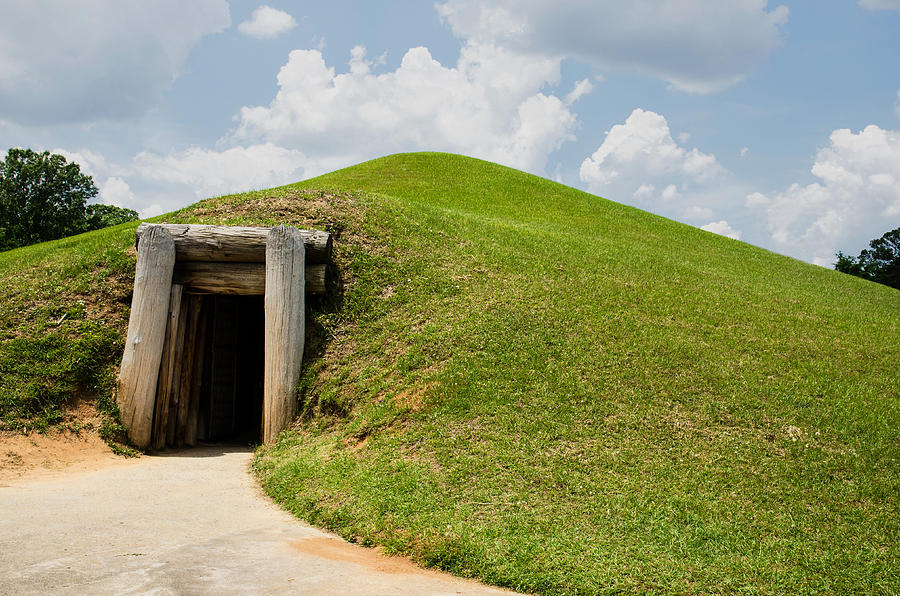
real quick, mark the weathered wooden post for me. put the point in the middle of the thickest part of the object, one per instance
(199, 317)
(284, 327)
(138, 373)
(168, 369)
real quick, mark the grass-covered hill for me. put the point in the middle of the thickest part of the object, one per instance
(528, 384)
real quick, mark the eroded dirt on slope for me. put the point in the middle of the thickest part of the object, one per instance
(72, 447)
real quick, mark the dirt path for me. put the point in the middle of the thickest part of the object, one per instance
(188, 523)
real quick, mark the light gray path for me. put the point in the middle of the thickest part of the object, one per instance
(191, 523)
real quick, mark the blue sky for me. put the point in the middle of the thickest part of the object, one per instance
(777, 123)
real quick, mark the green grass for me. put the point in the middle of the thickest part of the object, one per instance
(63, 311)
(563, 395)
(549, 391)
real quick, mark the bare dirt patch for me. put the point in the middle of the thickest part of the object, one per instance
(412, 398)
(374, 559)
(73, 447)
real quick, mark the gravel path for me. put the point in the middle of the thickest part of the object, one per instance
(193, 522)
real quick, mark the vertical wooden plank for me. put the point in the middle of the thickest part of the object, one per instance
(175, 378)
(187, 369)
(200, 310)
(223, 372)
(136, 384)
(284, 327)
(203, 414)
(167, 367)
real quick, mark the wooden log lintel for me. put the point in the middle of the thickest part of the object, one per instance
(194, 242)
(247, 279)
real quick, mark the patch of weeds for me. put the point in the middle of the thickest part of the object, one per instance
(39, 375)
(114, 434)
(62, 323)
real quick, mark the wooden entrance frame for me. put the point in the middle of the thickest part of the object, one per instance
(157, 386)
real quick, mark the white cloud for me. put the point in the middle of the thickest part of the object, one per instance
(745, 151)
(696, 45)
(670, 192)
(267, 22)
(113, 189)
(643, 148)
(153, 183)
(151, 211)
(880, 4)
(206, 173)
(116, 191)
(96, 59)
(698, 213)
(489, 105)
(644, 191)
(897, 104)
(722, 229)
(856, 199)
(582, 88)
(640, 163)
(757, 199)
(90, 162)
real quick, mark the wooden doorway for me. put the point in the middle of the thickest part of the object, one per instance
(195, 347)
(231, 402)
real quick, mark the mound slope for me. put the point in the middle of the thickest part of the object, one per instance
(556, 393)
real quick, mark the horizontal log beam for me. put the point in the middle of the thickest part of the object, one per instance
(247, 279)
(194, 242)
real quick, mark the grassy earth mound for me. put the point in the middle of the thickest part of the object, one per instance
(63, 313)
(525, 383)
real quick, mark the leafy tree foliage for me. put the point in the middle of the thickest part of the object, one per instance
(44, 197)
(102, 216)
(879, 263)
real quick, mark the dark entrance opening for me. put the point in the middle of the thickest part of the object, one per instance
(231, 398)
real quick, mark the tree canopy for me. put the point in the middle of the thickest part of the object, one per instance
(44, 197)
(879, 263)
(99, 216)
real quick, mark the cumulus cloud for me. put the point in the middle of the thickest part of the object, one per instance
(670, 192)
(644, 191)
(722, 229)
(880, 4)
(696, 45)
(856, 198)
(95, 59)
(90, 162)
(489, 105)
(115, 191)
(109, 178)
(170, 180)
(267, 22)
(641, 163)
(205, 172)
(583, 87)
(695, 213)
(643, 149)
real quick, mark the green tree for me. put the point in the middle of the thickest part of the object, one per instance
(102, 216)
(879, 263)
(42, 197)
